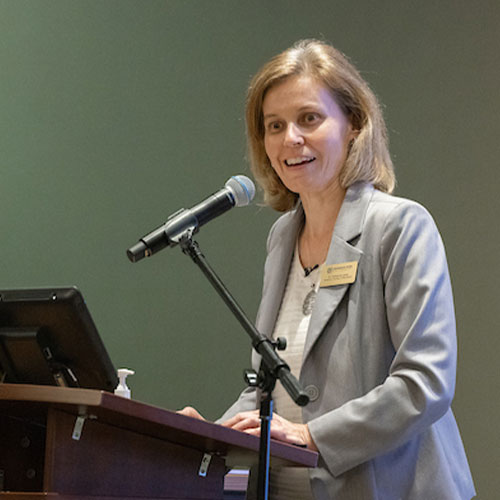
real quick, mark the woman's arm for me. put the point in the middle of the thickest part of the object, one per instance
(420, 384)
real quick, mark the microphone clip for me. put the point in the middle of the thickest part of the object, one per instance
(181, 226)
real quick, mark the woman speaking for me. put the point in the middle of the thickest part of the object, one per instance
(357, 282)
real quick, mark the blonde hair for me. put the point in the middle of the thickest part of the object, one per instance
(368, 159)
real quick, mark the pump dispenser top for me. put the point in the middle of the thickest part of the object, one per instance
(122, 389)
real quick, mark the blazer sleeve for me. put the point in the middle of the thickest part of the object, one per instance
(419, 387)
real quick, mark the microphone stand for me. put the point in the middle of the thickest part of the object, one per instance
(272, 366)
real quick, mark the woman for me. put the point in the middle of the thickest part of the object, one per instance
(357, 282)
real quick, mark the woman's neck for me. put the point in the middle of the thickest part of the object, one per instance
(321, 213)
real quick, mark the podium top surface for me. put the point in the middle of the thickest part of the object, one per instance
(238, 448)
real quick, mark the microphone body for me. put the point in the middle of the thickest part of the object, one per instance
(238, 191)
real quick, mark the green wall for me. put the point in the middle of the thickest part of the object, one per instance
(115, 113)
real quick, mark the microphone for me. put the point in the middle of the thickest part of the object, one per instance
(237, 192)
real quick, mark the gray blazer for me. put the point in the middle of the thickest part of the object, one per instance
(380, 355)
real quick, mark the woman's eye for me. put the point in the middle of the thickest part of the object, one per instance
(274, 126)
(310, 118)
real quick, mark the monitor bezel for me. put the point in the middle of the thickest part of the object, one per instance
(63, 318)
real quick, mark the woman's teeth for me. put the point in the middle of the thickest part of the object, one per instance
(299, 160)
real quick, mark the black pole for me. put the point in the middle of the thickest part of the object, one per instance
(266, 415)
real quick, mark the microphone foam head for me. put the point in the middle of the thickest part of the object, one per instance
(242, 188)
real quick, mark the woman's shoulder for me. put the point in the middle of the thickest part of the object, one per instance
(401, 223)
(289, 221)
(385, 202)
(396, 211)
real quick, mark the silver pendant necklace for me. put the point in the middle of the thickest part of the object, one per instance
(308, 303)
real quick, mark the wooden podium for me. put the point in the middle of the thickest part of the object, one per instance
(68, 444)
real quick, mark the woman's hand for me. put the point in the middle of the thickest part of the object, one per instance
(189, 411)
(281, 429)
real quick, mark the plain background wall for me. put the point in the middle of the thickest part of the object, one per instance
(113, 114)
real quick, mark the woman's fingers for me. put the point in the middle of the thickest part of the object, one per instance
(189, 411)
(245, 421)
(281, 428)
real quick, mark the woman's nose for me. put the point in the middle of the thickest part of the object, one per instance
(293, 135)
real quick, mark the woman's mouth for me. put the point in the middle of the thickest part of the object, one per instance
(298, 161)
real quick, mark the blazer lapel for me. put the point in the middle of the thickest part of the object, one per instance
(276, 272)
(328, 298)
(348, 227)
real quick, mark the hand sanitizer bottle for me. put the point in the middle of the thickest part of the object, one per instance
(122, 389)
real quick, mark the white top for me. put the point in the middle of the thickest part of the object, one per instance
(292, 323)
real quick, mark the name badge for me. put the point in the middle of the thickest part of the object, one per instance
(339, 274)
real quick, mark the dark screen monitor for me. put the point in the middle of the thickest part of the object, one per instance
(47, 337)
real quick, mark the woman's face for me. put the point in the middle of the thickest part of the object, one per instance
(306, 135)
